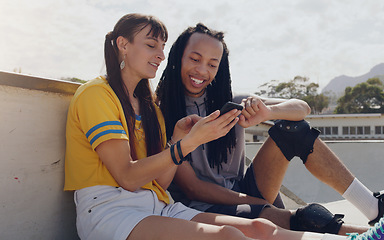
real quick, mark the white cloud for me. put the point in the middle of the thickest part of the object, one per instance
(267, 40)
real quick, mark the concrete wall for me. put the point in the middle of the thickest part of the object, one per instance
(33, 204)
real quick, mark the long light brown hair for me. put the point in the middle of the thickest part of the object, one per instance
(128, 26)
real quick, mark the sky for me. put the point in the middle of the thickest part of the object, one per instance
(267, 40)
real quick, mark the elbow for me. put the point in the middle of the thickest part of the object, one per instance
(306, 109)
(300, 108)
(129, 185)
(129, 178)
(130, 188)
(304, 113)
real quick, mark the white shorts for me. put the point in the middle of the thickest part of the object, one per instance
(106, 212)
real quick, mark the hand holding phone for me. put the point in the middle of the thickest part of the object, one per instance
(229, 106)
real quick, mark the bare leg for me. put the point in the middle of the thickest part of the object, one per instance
(157, 227)
(327, 167)
(347, 228)
(270, 167)
(212, 226)
(254, 228)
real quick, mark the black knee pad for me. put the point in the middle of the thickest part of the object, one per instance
(316, 218)
(294, 138)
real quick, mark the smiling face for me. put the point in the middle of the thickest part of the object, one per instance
(143, 55)
(200, 62)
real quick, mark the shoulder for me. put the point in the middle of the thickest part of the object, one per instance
(95, 95)
(98, 84)
(94, 89)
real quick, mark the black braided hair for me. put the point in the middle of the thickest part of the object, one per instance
(128, 26)
(170, 92)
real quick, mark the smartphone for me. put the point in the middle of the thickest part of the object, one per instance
(229, 106)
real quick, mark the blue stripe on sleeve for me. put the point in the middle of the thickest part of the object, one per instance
(105, 133)
(103, 124)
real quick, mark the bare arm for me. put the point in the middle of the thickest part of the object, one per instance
(132, 174)
(258, 110)
(292, 109)
(182, 128)
(196, 189)
(166, 178)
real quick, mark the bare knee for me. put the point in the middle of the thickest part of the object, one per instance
(229, 232)
(263, 228)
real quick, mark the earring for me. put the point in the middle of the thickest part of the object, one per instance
(122, 64)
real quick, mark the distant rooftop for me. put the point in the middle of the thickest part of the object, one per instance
(356, 115)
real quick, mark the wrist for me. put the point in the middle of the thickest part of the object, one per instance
(178, 158)
(170, 143)
(272, 113)
(187, 145)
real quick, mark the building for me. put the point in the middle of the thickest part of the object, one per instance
(349, 126)
(365, 126)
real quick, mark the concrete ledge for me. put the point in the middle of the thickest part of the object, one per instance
(37, 83)
(33, 114)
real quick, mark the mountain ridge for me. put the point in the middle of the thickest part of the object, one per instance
(338, 84)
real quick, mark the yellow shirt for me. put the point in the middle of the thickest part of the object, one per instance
(96, 115)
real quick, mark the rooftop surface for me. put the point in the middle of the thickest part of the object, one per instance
(352, 215)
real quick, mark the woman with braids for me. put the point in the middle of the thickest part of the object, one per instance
(117, 161)
(197, 80)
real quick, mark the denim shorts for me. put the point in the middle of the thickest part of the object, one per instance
(106, 212)
(248, 186)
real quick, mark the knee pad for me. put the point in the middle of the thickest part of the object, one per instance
(316, 218)
(294, 138)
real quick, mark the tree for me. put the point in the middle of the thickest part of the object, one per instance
(317, 102)
(299, 88)
(366, 97)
